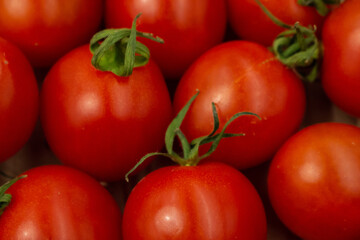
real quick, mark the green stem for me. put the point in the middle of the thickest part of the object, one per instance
(191, 155)
(272, 17)
(297, 47)
(5, 198)
(143, 160)
(117, 51)
(184, 143)
(175, 125)
(320, 5)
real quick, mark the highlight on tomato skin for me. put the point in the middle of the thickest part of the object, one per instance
(99, 122)
(194, 200)
(19, 99)
(208, 201)
(314, 183)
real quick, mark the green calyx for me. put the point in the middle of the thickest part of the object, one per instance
(117, 51)
(297, 47)
(190, 151)
(320, 5)
(5, 198)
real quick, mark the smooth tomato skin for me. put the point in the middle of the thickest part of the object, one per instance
(19, 99)
(205, 202)
(47, 29)
(341, 60)
(99, 122)
(249, 22)
(58, 202)
(188, 28)
(314, 182)
(242, 76)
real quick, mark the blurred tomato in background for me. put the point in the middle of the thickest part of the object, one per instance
(188, 28)
(18, 99)
(47, 29)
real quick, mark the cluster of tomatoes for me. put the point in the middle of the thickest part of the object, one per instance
(98, 86)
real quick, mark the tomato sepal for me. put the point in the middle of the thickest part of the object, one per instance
(297, 47)
(118, 51)
(319, 5)
(190, 151)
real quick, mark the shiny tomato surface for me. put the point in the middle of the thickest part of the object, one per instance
(205, 202)
(341, 60)
(99, 122)
(57, 202)
(242, 76)
(314, 182)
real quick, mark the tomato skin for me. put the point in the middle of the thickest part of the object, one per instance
(249, 22)
(314, 182)
(18, 99)
(47, 29)
(188, 28)
(99, 122)
(205, 202)
(340, 67)
(242, 76)
(58, 202)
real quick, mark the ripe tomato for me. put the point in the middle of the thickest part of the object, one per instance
(47, 29)
(242, 76)
(314, 182)
(18, 99)
(249, 22)
(204, 202)
(99, 122)
(188, 28)
(341, 61)
(57, 202)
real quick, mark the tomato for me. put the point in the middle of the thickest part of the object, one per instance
(47, 29)
(57, 202)
(18, 99)
(314, 182)
(249, 22)
(242, 76)
(209, 201)
(99, 122)
(341, 60)
(188, 28)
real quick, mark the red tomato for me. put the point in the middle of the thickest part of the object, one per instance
(57, 202)
(188, 28)
(47, 29)
(18, 99)
(205, 202)
(314, 182)
(99, 122)
(341, 61)
(249, 22)
(242, 76)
